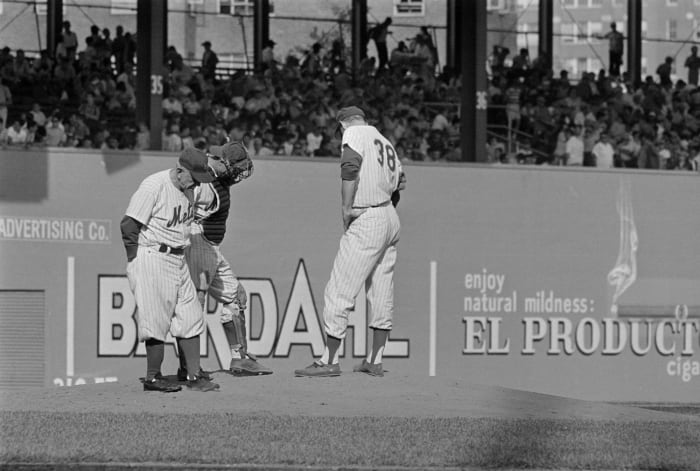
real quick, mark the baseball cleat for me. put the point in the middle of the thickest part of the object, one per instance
(318, 369)
(248, 366)
(160, 384)
(198, 383)
(369, 368)
(182, 374)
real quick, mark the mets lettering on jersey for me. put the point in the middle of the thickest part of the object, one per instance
(164, 211)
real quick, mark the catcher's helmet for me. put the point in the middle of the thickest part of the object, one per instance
(236, 161)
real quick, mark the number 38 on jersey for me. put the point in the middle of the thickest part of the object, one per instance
(386, 156)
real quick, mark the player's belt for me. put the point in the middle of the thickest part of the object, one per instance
(380, 205)
(173, 250)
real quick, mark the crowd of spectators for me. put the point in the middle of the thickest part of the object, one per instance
(84, 97)
(601, 120)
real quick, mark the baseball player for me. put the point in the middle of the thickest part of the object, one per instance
(156, 231)
(209, 270)
(371, 180)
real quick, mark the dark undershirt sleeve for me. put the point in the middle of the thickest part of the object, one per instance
(350, 163)
(130, 235)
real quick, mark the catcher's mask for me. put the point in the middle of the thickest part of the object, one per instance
(236, 162)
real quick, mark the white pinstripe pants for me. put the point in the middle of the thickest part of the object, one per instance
(166, 299)
(366, 257)
(212, 273)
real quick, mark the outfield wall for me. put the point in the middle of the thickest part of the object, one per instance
(578, 283)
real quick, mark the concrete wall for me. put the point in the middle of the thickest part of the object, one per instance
(578, 283)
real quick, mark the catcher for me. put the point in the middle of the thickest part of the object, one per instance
(210, 271)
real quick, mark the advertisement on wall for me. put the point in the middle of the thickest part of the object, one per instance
(577, 283)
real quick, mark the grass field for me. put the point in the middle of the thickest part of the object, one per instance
(351, 422)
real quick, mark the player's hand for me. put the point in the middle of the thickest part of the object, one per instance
(241, 297)
(402, 182)
(350, 215)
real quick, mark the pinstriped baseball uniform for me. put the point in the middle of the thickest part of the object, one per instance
(367, 252)
(209, 270)
(166, 298)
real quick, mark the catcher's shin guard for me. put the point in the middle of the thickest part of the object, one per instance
(240, 331)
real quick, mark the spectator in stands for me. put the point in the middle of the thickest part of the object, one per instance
(143, 137)
(3, 134)
(513, 104)
(42, 68)
(70, 41)
(314, 139)
(664, 72)
(172, 106)
(5, 100)
(574, 147)
(55, 132)
(693, 65)
(172, 142)
(604, 152)
(77, 132)
(559, 154)
(37, 116)
(616, 49)
(629, 149)
(118, 47)
(209, 62)
(311, 64)
(268, 56)
(90, 112)
(129, 49)
(378, 34)
(521, 64)
(104, 49)
(17, 134)
(60, 53)
(591, 136)
(648, 154)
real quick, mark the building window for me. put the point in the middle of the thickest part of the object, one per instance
(671, 29)
(243, 7)
(409, 7)
(0, 7)
(524, 4)
(672, 3)
(595, 3)
(696, 28)
(224, 7)
(123, 7)
(569, 3)
(645, 27)
(495, 4)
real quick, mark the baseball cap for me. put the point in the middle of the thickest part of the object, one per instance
(348, 112)
(231, 151)
(197, 163)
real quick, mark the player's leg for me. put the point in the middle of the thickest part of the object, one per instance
(154, 288)
(226, 289)
(186, 326)
(360, 247)
(380, 300)
(201, 262)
